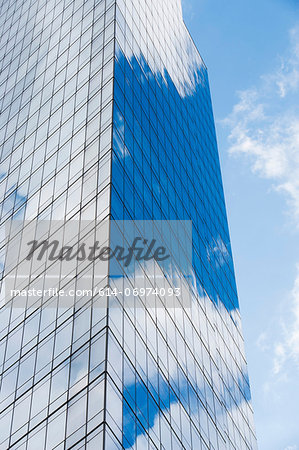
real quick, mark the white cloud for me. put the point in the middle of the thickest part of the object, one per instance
(264, 125)
(287, 349)
(172, 38)
(263, 342)
(293, 332)
(287, 78)
(280, 358)
(217, 249)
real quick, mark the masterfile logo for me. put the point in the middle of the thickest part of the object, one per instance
(68, 259)
(141, 249)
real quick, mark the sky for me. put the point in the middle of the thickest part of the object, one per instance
(251, 50)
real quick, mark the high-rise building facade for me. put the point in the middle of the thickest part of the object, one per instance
(106, 113)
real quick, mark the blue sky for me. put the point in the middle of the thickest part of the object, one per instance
(252, 53)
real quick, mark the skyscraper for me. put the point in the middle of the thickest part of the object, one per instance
(106, 113)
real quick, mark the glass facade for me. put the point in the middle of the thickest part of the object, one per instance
(106, 113)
